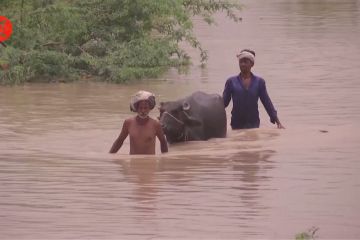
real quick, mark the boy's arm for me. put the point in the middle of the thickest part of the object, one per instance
(120, 140)
(161, 137)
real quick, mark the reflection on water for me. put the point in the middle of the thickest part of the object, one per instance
(250, 163)
(141, 172)
(57, 180)
(332, 10)
(194, 181)
(313, 18)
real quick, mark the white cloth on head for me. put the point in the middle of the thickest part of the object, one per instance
(140, 96)
(246, 54)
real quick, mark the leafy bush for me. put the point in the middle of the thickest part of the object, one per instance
(114, 40)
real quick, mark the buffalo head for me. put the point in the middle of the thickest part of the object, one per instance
(176, 119)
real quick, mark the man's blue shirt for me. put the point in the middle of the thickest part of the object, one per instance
(245, 112)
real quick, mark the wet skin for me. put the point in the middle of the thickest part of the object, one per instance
(143, 131)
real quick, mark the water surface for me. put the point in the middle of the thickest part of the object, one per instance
(57, 180)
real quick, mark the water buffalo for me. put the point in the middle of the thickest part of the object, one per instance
(199, 116)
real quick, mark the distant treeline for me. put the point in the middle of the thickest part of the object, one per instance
(109, 40)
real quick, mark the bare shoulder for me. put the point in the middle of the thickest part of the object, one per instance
(155, 122)
(129, 121)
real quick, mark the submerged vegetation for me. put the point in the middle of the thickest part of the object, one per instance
(310, 234)
(111, 40)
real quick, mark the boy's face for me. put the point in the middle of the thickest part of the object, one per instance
(143, 109)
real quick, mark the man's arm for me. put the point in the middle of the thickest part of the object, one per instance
(278, 123)
(120, 140)
(266, 101)
(160, 135)
(227, 93)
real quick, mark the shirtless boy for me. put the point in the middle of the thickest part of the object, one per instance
(142, 129)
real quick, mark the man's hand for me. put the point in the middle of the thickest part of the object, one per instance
(279, 125)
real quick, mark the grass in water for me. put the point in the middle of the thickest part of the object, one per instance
(308, 235)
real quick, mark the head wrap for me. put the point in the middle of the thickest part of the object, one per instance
(246, 54)
(140, 96)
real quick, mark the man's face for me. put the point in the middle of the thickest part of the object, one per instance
(143, 109)
(245, 64)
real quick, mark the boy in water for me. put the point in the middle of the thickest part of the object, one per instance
(142, 129)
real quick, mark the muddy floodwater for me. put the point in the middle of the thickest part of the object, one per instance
(57, 180)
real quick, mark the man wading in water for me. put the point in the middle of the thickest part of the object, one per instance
(245, 89)
(142, 129)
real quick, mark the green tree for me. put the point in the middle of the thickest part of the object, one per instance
(113, 40)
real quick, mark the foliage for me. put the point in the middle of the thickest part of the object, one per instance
(116, 40)
(308, 235)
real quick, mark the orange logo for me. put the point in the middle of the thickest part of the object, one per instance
(5, 28)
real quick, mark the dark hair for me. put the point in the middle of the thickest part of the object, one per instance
(248, 50)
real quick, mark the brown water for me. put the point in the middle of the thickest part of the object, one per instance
(58, 182)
